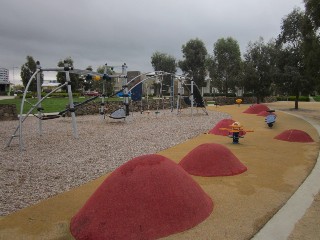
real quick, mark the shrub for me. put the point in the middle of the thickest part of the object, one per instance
(219, 95)
(293, 98)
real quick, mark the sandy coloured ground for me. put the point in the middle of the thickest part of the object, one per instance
(243, 203)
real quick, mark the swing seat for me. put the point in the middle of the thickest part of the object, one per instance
(118, 114)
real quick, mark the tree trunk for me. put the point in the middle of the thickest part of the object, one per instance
(296, 102)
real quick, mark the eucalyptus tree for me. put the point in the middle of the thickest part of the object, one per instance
(312, 41)
(259, 67)
(61, 77)
(163, 62)
(311, 54)
(293, 55)
(109, 83)
(85, 83)
(27, 70)
(195, 61)
(313, 11)
(225, 64)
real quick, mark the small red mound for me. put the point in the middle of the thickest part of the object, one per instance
(212, 159)
(256, 108)
(265, 113)
(224, 123)
(293, 135)
(149, 197)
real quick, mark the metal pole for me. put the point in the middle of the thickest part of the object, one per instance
(125, 89)
(172, 93)
(161, 92)
(191, 97)
(21, 119)
(179, 95)
(71, 105)
(104, 79)
(39, 108)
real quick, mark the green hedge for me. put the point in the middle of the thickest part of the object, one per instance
(219, 95)
(293, 98)
(53, 95)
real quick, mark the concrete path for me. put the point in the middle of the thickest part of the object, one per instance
(311, 99)
(283, 222)
(6, 97)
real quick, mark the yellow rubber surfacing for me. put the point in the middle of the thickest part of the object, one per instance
(243, 203)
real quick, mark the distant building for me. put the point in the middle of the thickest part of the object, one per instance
(4, 81)
(49, 85)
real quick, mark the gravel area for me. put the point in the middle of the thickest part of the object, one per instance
(56, 162)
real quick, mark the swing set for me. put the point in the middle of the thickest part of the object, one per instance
(72, 107)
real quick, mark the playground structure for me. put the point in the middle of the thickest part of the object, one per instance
(270, 118)
(196, 99)
(236, 131)
(72, 107)
(238, 101)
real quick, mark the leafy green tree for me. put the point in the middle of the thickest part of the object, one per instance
(258, 68)
(163, 62)
(311, 52)
(225, 67)
(313, 11)
(292, 60)
(109, 84)
(27, 70)
(84, 83)
(61, 76)
(195, 61)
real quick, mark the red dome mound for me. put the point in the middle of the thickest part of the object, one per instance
(265, 113)
(256, 108)
(212, 159)
(224, 123)
(149, 197)
(293, 135)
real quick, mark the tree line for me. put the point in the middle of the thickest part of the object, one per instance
(286, 65)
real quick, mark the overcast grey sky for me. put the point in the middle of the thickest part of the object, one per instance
(96, 32)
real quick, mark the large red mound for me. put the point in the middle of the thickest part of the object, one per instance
(212, 159)
(224, 123)
(294, 135)
(149, 197)
(256, 108)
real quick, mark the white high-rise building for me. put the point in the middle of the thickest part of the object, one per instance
(4, 74)
(4, 80)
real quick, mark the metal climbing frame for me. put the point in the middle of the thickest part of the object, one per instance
(22, 118)
(195, 95)
(67, 70)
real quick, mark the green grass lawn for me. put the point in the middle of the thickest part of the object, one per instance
(50, 105)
